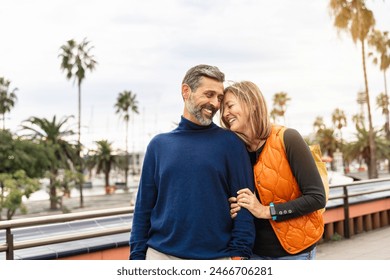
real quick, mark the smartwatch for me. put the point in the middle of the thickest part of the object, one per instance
(272, 211)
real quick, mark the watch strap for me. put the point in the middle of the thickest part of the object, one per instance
(272, 211)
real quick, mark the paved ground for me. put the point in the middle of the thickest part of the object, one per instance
(371, 245)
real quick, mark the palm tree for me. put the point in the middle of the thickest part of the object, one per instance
(327, 141)
(126, 103)
(52, 134)
(280, 101)
(319, 123)
(361, 99)
(339, 120)
(360, 148)
(104, 159)
(353, 16)
(381, 42)
(8, 98)
(274, 114)
(358, 119)
(75, 61)
(382, 102)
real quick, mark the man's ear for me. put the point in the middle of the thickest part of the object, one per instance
(185, 91)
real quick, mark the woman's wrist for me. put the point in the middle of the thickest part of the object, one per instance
(268, 213)
(263, 212)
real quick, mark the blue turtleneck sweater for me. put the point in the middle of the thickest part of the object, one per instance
(182, 206)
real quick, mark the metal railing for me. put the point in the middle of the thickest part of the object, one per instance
(10, 246)
(346, 196)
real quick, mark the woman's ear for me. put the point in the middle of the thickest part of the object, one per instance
(185, 91)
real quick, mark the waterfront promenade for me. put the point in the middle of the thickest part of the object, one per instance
(371, 245)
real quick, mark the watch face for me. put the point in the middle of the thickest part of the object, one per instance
(272, 209)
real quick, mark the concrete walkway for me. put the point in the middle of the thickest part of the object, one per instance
(371, 245)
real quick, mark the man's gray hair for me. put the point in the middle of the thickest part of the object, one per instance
(194, 75)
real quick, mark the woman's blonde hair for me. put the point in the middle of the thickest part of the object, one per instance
(252, 100)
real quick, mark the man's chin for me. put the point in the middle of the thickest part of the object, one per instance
(206, 120)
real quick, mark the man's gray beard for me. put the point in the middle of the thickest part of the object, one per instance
(197, 113)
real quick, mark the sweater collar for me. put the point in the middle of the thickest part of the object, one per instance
(186, 124)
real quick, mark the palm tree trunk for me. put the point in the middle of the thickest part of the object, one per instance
(107, 178)
(79, 149)
(372, 168)
(53, 191)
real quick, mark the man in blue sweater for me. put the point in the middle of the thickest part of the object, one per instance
(188, 174)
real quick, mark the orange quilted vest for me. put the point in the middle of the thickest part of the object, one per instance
(276, 183)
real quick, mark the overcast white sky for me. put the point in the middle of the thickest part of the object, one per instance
(147, 46)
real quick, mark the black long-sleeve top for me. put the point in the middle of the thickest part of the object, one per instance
(313, 194)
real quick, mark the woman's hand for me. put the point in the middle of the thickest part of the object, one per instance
(247, 199)
(234, 207)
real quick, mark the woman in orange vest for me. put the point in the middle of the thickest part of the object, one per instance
(289, 191)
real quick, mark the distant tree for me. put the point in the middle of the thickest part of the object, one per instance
(381, 42)
(360, 148)
(104, 159)
(327, 141)
(126, 103)
(280, 101)
(274, 114)
(319, 123)
(68, 180)
(13, 187)
(75, 61)
(21, 163)
(339, 121)
(358, 119)
(8, 98)
(355, 18)
(62, 154)
(21, 154)
(382, 102)
(361, 99)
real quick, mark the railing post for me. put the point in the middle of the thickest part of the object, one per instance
(10, 244)
(346, 213)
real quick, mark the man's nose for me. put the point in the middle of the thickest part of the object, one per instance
(215, 102)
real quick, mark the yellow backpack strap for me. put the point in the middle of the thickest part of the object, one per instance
(281, 135)
(321, 166)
